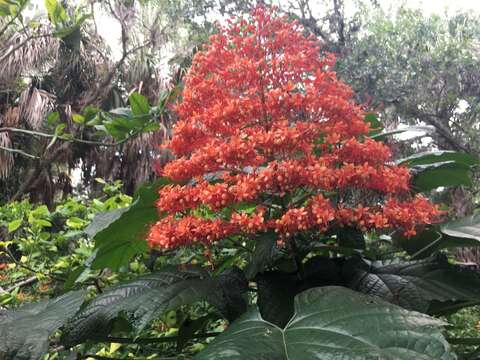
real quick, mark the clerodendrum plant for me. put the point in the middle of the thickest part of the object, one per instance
(269, 145)
(264, 120)
(281, 179)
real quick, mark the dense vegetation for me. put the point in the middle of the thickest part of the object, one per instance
(253, 197)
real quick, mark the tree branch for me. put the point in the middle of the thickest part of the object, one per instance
(60, 137)
(18, 151)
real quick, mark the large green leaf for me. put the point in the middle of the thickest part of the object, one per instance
(120, 234)
(25, 331)
(447, 173)
(145, 298)
(334, 323)
(431, 157)
(453, 234)
(414, 285)
(467, 229)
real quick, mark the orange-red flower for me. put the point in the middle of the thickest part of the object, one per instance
(264, 121)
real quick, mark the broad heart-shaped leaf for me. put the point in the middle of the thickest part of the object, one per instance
(332, 323)
(431, 157)
(448, 173)
(276, 291)
(120, 234)
(147, 297)
(24, 332)
(415, 285)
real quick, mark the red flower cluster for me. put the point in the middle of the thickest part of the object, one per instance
(264, 115)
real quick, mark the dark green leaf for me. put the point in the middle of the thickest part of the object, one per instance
(431, 157)
(234, 286)
(276, 293)
(25, 331)
(143, 299)
(435, 238)
(189, 328)
(263, 254)
(334, 323)
(413, 285)
(466, 229)
(120, 234)
(350, 237)
(448, 173)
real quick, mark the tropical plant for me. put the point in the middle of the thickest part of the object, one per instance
(281, 188)
(55, 61)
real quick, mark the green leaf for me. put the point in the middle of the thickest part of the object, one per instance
(276, 293)
(25, 331)
(444, 174)
(350, 237)
(79, 119)
(141, 300)
(119, 128)
(432, 157)
(231, 301)
(11, 7)
(56, 12)
(189, 328)
(467, 229)
(122, 112)
(263, 254)
(76, 223)
(334, 323)
(453, 234)
(14, 225)
(375, 125)
(139, 104)
(53, 117)
(120, 234)
(421, 129)
(414, 285)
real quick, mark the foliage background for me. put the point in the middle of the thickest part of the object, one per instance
(64, 92)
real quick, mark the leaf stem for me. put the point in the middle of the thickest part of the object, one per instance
(122, 340)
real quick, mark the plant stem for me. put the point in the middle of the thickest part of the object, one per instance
(64, 138)
(164, 339)
(18, 151)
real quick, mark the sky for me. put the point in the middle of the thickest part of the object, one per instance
(109, 28)
(438, 6)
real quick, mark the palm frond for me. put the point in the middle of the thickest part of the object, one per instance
(34, 56)
(34, 104)
(6, 158)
